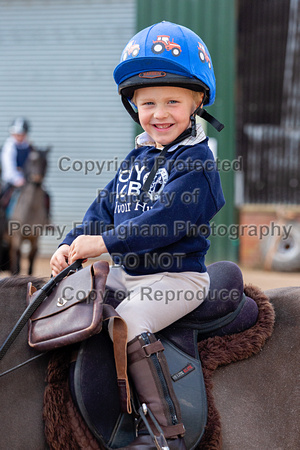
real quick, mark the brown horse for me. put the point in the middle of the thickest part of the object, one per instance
(258, 399)
(30, 213)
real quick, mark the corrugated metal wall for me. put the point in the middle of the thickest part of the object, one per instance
(215, 22)
(57, 59)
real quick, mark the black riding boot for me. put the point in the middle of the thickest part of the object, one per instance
(160, 409)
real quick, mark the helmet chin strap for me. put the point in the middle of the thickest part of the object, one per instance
(193, 125)
(211, 119)
(206, 116)
(193, 116)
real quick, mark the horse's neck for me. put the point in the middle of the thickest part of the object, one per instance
(31, 208)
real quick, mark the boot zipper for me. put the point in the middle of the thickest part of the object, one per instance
(163, 382)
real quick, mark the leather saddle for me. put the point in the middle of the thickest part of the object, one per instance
(93, 380)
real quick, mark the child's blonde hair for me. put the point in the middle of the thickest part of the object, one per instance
(198, 97)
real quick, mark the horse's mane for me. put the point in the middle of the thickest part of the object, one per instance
(18, 281)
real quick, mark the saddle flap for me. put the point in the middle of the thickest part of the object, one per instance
(188, 383)
(96, 392)
(95, 386)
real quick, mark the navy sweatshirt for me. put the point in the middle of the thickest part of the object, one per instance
(166, 228)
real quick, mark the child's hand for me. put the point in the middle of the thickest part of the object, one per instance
(86, 246)
(59, 260)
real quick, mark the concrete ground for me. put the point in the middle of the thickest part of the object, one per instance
(263, 279)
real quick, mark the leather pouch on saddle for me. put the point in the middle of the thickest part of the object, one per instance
(72, 312)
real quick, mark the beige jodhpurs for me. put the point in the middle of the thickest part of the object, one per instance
(155, 301)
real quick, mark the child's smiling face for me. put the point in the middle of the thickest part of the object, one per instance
(165, 111)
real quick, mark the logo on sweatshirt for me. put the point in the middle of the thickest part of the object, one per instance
(158, 184)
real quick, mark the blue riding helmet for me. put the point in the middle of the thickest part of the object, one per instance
(166, 54)
(19, 126)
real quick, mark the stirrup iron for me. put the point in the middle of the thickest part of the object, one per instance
(159, 441)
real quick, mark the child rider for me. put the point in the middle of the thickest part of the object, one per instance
(15, 153)
(165, 185)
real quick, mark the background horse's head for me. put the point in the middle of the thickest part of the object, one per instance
(36, 165)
